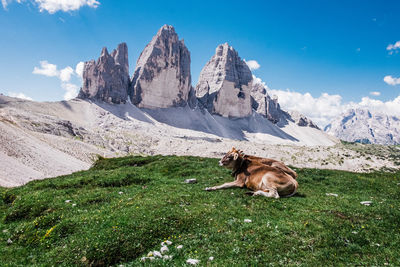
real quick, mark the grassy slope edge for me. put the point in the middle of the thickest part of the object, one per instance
(122, 208)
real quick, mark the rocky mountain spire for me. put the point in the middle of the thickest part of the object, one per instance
(162, 76)
(107, 79)
(263, 103)
(224, 84)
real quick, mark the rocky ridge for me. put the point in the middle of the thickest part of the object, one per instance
(162, 79)
(107, 79)
(224, 84)
(366, 126)
(162, 76)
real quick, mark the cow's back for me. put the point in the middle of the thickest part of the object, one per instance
(273, 163)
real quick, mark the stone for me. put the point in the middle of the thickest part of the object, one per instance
(331, 194)
(224, 84)
(107, 79)
(366, 203)
(162, 76)
(191, 181)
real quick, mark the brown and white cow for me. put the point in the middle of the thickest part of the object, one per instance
(272, 163)
(262, 179)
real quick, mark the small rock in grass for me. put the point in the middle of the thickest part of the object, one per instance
(120, 193)
(366, 203)
(5, 230)
(331, 194)
(179, 247)
(67, 201)
(157, 254)
(247, 220)
(191, 181)
(9, 241)
(211, 258)
(73, 205)
(164, 249)
(354, 232)
(192, 261)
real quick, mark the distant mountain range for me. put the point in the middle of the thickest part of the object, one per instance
(367, 127)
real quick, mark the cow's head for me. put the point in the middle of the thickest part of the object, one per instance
(230, 158)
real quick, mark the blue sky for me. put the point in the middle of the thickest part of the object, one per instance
(335, 47)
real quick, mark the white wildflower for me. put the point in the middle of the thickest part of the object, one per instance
(211, 258)
(120, 193)
(192, 261)
(247, 221)
(179, 247)
(157, 254)
(67, 201)
(164, 249)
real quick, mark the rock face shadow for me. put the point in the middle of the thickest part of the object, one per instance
(199, 119)
(126, 111)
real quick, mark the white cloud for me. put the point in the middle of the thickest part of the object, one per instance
(320, 110)
(394, 46)
(391, 80)
(323, 109)
(65, 74)
(19, 95)
(46, 69)
(4, 3)
(71, 90)
(375, 93)
(79, 69)
(259, 81)
(52, 6)
(253, 65)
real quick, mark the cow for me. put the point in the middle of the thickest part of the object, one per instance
(272, 163)
(262, 179)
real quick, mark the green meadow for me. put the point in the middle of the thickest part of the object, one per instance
(123, 208)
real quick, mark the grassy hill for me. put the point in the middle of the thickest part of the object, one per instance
(123, 208)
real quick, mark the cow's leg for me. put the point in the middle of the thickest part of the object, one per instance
(270, 192)
(226, 185)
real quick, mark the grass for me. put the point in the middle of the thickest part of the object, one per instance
(102, 226)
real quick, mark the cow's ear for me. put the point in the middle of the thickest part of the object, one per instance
(235, 156)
